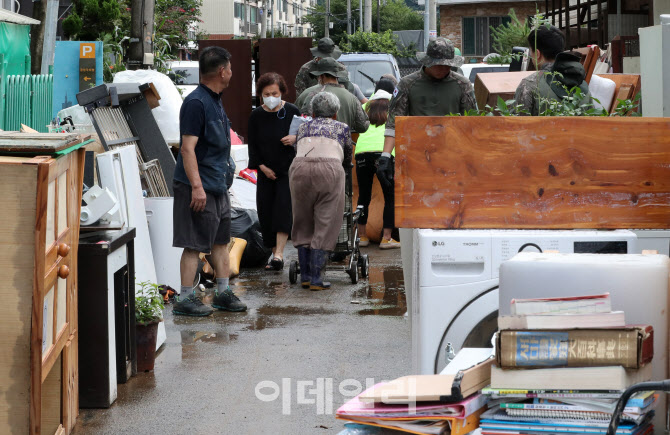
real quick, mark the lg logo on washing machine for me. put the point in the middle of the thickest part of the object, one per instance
(436, 243)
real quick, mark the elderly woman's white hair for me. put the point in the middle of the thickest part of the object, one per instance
(324, 105)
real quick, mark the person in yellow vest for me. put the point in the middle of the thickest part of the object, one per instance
(368, 149)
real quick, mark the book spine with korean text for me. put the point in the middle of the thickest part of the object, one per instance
(631, 347)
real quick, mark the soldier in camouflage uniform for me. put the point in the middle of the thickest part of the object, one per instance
(546, 50)
(434, 90)
(351, 112)
(325, 48)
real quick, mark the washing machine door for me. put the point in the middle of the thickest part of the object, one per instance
(473, 326)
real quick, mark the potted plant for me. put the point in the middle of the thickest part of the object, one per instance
(148, 313)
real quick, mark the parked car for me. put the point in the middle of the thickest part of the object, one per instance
(366, 68)
(470, 70)
(185, 74)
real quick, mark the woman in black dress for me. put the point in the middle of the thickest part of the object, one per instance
(271, 152)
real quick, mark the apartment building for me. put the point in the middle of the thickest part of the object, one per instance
(226, 19)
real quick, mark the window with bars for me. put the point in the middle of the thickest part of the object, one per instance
(477, 39)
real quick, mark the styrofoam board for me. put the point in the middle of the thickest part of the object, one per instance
(118, 171)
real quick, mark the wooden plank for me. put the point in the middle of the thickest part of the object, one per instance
(489, 86)
(71, 382)
(620, 80)
(625, 92)
(51, 400)
(38, 298)
(76, 180)
(36, 143)
(532, 172)
(17, 257)
(52, 354)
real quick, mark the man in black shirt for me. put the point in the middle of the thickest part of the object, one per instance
(201, 214)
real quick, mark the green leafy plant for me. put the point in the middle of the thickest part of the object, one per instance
(148, 303)
(385, 42)
(114, 53)
(509, 35)
(627, 107)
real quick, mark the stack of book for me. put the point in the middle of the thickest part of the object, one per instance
(561, 365)
(448, 403)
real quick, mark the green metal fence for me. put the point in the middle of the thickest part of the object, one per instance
(25, 99)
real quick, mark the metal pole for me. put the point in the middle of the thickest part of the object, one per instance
(264, 16)
(148, 23)
(272, 22)
(49, 46)
(135, 46)
(360, 14)
(349, 17)
(326, 32)
(618, 18)
(426, 23)
(379, 11)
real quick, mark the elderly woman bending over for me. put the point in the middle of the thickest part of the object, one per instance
(317, 178)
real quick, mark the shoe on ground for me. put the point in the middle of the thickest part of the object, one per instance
(389, 244)
(191, 305)
(324, 285)
(363, 242)
(227, 301)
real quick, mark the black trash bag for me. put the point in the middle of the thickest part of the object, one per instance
(244, 224)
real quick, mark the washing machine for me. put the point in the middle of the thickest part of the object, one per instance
(454, 274)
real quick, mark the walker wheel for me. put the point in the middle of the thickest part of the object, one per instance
(364, 263)
(293, 271)
(353, 273)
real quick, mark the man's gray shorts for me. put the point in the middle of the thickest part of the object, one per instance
(200, 230)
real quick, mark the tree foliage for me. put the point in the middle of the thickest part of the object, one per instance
(91, 18)
(509, 35)
(395, 15)
(385, 42)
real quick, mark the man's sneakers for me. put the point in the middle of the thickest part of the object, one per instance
(227, 301)
(389, 244)
(363, 242)
(191, 305)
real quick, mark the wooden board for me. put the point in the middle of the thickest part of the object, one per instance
(35, 143)
(532, 172)
(620, 80)
(17, 238)
(489, 86)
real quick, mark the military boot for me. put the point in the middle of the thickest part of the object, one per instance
(318, 259)
(303, 260)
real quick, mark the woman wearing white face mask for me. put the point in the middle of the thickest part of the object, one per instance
(272, 157)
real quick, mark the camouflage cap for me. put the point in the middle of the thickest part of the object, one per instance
(440, 51)
(326, 48)
(328, 65)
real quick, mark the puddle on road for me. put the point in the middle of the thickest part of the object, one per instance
(385, 292)
(270, 316)
(219, 337)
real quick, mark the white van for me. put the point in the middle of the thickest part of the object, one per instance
(186, 75)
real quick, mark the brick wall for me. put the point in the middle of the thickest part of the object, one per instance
(450, 15)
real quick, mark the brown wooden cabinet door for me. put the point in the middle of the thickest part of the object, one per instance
(59, 203)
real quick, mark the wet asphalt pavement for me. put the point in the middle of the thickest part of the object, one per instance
(310, 350)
